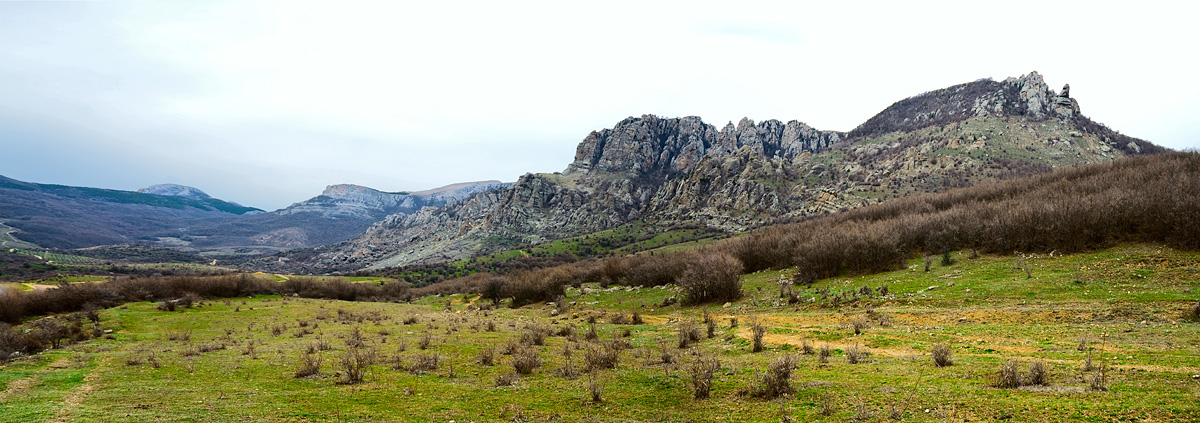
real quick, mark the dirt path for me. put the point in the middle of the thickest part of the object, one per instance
(76, 397)
(18, 386)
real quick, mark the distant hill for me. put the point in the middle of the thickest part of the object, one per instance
(59, 216)
(186, 218)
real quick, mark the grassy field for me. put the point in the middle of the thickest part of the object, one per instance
(235, 360)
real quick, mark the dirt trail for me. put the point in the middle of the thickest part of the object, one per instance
(78, 394)
(18, 386)
(76, 397)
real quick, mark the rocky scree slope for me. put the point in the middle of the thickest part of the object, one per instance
(667, 171)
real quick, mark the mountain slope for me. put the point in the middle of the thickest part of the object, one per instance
(666, 171)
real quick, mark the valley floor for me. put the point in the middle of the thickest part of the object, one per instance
(235, 360)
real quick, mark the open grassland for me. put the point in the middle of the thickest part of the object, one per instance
(1126, 308)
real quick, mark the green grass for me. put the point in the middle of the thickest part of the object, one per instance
(1127, 301)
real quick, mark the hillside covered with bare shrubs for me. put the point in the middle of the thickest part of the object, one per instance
(1154, 198)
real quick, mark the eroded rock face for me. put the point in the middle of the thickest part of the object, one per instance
(650, 145)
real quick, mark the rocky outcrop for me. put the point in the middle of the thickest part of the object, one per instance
(651, 145)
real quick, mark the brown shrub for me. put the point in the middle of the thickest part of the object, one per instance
(701, 372)
(776, 381)
(942, 356)
(711, 276)
(1009, 375)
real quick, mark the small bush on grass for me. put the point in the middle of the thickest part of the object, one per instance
(310, 364)
(1038, 374)
(942, 356)
(701, 370)
(1009, 375)
(595, 387)
(857, 354)
(823, 354)
(1098, 380)
(758, 330)
(424, 363)
(487, 356)
(526, 361)
(507, 379)
(688, 333)
(598, 357)
(776, 381)
(355, 363)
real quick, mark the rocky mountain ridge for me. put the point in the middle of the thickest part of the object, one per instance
(667, 171)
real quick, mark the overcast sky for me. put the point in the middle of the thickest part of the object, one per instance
(266, 103)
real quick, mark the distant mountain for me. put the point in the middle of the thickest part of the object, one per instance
(339, 213)
(56, 216)
(59, 216)
(667, 171)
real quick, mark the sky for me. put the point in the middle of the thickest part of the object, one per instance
(265, 103)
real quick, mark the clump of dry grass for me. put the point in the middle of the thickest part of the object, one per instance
(942, 356)
(857, 354)
(758, 330)
(776, 381)
(701, 370)
(1009, 375)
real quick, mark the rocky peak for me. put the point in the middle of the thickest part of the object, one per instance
(651, 144)
(175, 190)
(1028, 96)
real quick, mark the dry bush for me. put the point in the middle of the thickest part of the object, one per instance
(355, 363)
(701, 372)
(776, 381)
(1196, 310)
(1087, 363)
(688, 333)
(526, 361)
(862, 410)
(823, 354)
(595, 387)
(942, 356)
(637, 318)
(487, 356)
(598, 357)
(1038, 374)
(507, 379)
(310, 364)
(1098, 380)
(859, 324)
(806, 347)
(181, 336)
(857, 354)
(424, 363)
(424, 341)
(711, 276)
(567, 371)
(534, 334)
(1009, 375)
(827, 404)
(758, 330)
